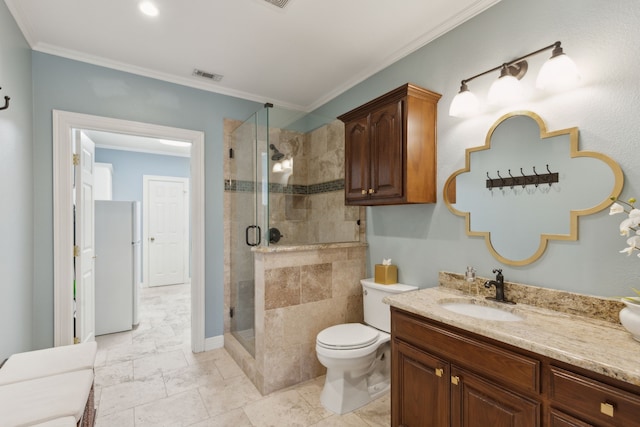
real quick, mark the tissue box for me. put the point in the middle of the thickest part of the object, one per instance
(386, 274)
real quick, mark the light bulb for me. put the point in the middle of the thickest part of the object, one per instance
(559, 72)
(464, 104)
(506, 90)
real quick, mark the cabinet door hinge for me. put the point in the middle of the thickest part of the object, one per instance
(76, 251)
(76, 159)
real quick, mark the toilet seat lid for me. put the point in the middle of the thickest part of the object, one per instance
(347, 336)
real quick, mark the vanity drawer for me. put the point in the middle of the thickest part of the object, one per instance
(500, 364)
(590, 398)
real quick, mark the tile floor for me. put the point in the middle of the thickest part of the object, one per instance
(150, 377)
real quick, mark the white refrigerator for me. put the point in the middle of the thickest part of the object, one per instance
(118, 265)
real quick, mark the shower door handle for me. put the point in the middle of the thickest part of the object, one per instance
(246, 235)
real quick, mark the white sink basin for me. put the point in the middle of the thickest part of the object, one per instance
(484, 312)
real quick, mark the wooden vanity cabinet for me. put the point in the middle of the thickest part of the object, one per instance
(443, 376)
(390, 148)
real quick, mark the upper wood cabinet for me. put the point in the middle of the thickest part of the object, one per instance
(390, 148)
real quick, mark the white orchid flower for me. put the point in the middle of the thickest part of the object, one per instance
(616, 208)
(634, 244)
(631, 223)
(625, 227)
(627, 251)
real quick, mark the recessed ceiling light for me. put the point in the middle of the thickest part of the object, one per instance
(148, 8)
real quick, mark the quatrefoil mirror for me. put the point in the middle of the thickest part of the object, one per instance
(526, 186)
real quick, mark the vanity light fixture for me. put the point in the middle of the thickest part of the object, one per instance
(557, 73)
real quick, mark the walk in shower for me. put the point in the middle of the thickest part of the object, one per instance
(284, 186)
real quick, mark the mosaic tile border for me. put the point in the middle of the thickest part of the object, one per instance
(249, 186)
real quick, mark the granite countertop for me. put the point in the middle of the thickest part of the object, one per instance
(597, 345)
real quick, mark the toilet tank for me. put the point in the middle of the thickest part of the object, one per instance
(376, 312)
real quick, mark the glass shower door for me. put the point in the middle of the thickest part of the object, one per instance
(248, 207)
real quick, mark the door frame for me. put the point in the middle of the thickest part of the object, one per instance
(146, 210)
(63, 124)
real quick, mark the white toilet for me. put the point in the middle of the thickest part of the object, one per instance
(357, 356)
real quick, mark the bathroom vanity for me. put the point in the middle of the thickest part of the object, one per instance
(546, 369)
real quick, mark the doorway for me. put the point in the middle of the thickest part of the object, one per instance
(63, 125)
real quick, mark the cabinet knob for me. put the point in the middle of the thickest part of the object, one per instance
(439, 372)
(455, 380)
(606, 408)
(364, 191)
(371, 191)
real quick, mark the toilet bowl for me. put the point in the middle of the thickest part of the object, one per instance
(358, 356)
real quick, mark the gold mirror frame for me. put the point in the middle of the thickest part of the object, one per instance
(449, 188)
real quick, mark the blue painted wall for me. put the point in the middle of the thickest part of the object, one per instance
(129, 167)
(601, 37)
(74, 86)
(16, 190)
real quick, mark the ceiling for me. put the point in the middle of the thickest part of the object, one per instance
(297, 57)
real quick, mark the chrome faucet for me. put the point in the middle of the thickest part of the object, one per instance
(499, 284)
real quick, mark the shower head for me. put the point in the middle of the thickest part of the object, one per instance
(277, 155)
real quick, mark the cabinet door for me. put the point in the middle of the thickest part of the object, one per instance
(387, 153)
(420, 391)
(357, 160)
(476, 402)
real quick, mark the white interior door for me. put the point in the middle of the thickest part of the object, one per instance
(166, 226)
(85, 238)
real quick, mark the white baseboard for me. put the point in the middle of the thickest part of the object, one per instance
(213, 343)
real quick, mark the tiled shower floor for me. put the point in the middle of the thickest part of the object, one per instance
(150, 377)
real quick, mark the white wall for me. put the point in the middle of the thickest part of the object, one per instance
(602, 38)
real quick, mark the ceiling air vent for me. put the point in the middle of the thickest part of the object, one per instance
(207, 75)
(280, 3)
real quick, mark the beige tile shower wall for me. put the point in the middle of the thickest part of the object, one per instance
(299, 293)
(330, 220)
(325, 148)
(318, 157)
(288, 212)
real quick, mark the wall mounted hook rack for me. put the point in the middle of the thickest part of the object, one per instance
(6, 102)
(523, 180)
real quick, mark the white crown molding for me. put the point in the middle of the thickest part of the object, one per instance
(145, 72)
